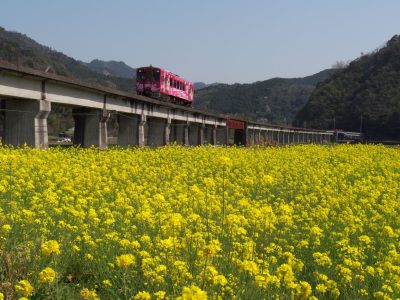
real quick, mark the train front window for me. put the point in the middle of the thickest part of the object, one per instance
(156, 75)
(148, 75)
(141, 75)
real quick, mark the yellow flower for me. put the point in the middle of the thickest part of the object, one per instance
(220, 280)
(225, 161)
(193, 293)
(6, 228)
(87, 294)
(322, 259)
(321, 288)
(1, 296)
(24, 287)
(304, 290)
(50, 247)
(160, 295)
(107, 283)
(142, 296)
(250, 266)
(125, 260)
(211, 249)
(47, 275)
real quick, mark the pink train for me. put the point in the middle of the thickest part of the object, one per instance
(161, 84)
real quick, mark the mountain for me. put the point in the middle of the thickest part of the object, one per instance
(202, 85)
(365, 94)
(275, 100)
(112, 68)
(21, 50)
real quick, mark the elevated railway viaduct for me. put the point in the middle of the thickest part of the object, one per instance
(26, 97)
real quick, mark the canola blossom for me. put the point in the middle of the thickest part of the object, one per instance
(300, 222)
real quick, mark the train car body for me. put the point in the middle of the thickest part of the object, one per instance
(346, 137)
(161, 84)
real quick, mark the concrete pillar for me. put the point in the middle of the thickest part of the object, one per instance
(25, 122)
(156, 132)
(214, 135)
(201, 140)
(167, 132)
(265, 137)
(128, 130)
(284, 138)
(142, 131)
(186, 134)
(90, 127)
(274, 138)
(251, 137)
(258, 134)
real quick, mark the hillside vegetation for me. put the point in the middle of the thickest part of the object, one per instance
(23, 51)
(276, 100)
(364, 95)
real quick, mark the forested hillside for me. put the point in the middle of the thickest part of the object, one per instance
(21, 50)
(364, 95)
(276, 100)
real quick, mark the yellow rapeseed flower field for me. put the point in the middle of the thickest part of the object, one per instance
(301, 222)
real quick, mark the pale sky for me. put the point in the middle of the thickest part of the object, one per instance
(211, 41)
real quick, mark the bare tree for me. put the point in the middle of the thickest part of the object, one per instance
(340, 64)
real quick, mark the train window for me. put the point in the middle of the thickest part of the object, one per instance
(156, 75)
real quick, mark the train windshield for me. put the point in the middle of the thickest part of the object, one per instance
(148, 75)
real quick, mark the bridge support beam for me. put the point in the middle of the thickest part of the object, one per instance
(167, 132)
(250, 137)
(128, 130)
(25, 122)
(90, 127)
(142, 131)
(201, 134)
